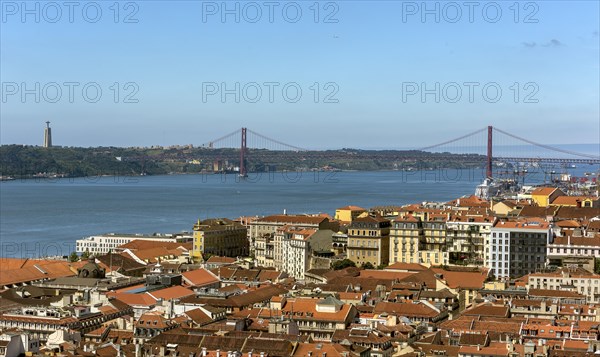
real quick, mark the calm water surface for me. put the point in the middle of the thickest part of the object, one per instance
(45, 217)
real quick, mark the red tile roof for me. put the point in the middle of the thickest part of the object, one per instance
(406, 309)
(200, 277)
(170, 293)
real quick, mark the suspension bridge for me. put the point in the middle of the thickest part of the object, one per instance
(485, 145)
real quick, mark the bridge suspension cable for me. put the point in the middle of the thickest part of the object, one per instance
(276, 141)
(453, 140)
(547, 147)
(222, 138)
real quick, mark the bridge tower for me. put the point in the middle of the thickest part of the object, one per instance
(489, 151)
(243, 149)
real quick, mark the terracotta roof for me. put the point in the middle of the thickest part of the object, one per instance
(170, 293)
(495, 326)
(200, 277)
(136, 299)
(32, 270)
(555, 293)
(594, 225)
(425, 277)
(438, 350)
(153, 320)
(490, 351)
(320, 349)
(577, 241)
(543, 191)
(571, 200)
(406, 266)
(473, 339)
(406, 218)
(264, 293)
(302, 306)
(370, 218)
(223, 260)
(488, 310)
(351, 208)
(535, 211)
(463, 279)
(198, 316)
(383, 274)
(568, 223)
(118, 262)
(531, 223)
(293, 219)
(406, 309)
(568, 212)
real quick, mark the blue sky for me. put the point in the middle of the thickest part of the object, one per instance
(371, 61)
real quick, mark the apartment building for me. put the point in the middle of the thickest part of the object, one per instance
(369, 240)
(466, 237)
(220, 236)
(518, 248)
(564, 280)
(262, 231)
(434, 251)
(406, 237)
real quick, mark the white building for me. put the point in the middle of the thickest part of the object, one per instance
(568, 279)
(517, 248)
(296, 251)
(105, 243)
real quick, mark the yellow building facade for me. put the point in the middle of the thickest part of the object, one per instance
(348, 213)
(368, 240)
(221, 236)
(406, 235)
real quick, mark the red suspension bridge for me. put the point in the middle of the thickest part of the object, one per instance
(489, 144)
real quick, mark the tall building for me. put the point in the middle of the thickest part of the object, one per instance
(518, 248)
(369, 240)
(406, 237)
(48, 135)
(466, 237)
(433, 251)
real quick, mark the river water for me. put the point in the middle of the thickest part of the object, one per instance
(44, 217)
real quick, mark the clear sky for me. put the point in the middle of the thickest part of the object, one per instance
(372, 62)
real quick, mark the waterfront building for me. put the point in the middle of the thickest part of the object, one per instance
(102, 244)
(369, 240)
(220, 236)
(517, 248)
